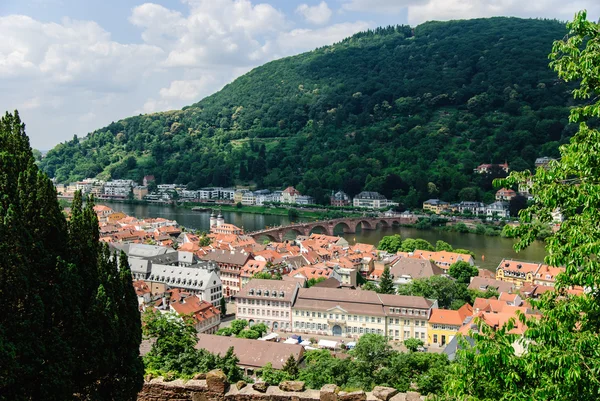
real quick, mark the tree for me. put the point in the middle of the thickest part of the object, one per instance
(238, 325)
(369, 286)
(462, 271)
(516, 204)
(291, 367)
(443, 246)
(413, 344)
(260, 328)
(560, 361)
(70, 323)
(223, 307)
(410, 244)
(314, 280)
(386, 282)
(390, 243)
(273, 376)
(293, 214)
(445, 290)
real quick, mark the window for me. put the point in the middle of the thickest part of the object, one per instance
(406, 334)
(297, 313)
(362, 330)
(361, 318)
(355, 318)
(378, 320)
(331, 315)
(435, 338)
(337, 316)
(397, 333)
(314, 314)
(372, 319)
(422, 336)
(302, 313)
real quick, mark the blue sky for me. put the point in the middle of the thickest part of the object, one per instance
(72, 66)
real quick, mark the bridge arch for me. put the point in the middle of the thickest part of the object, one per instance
(271, 237)
(322, 227)
(347, 227)
(383, 223)
(366, 224)
(294, 230)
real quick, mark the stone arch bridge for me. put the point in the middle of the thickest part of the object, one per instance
(348, 225)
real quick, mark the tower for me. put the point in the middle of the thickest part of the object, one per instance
(220, 220)
(213, 219)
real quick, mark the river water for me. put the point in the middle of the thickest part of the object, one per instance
(492, 249)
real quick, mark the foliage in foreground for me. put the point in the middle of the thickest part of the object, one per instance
(173, 352)
(561, 361)
(69, 326)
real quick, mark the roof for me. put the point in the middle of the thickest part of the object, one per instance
(329, 283)
(355, 301)
(291, 191)
(264, 289)
(251, 353)
(414, 268)
(519, 266)
(450, 317)
(231, 257)
(482, 284)
(369, 195)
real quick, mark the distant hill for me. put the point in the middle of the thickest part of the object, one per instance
(406, 112)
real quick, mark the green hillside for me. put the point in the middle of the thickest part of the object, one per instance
(406, 112)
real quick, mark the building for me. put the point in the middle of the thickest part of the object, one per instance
(483, 284)
(289, 195)
(444, 324)
(199, 279)
(305, 200)
(497, 209)
(118, 188)
(435, 206)
(248, 198)
(474, 208)
(527, 273)
(140, 192)
(405, 270)
(371, 200)
(251, 268)
(252, 354)
(239, 195)
(486, 168)
(339, 199)
(443, 259)
(543, 161)
(230, 264)
(504, 194)
(352, 313)
(206, 316)
(147, 180)
(267, 301)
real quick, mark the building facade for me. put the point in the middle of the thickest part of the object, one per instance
(352, 313)
(267, 301)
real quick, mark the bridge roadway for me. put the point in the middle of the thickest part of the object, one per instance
(349, 226)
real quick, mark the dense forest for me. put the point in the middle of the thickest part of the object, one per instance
(408, 112)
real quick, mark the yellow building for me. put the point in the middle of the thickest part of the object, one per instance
(140, 192)
(238, 196)
(517, 272)
(352, 313)
(435, 205)
(444, 324)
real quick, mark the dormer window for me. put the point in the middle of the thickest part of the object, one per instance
(251, 292)
(258, 292)
(281, 294)
(266, 293)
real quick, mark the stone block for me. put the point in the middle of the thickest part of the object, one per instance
(240, 384)
(352, 396)
(199, 376)
(384, 393)
(216, 381)
(294, 386)
(399, 397)
(329, 392)
(260, 387)
(413, 396)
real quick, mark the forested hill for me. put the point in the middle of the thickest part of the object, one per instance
(406, 112)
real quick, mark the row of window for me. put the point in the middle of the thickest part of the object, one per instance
(263, 302)
(406, 311)
(261, 312)
(444, 327)
(396, 335)
(348, 330)
(215, 289)
(407, 322)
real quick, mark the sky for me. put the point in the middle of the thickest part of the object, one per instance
(73, 66)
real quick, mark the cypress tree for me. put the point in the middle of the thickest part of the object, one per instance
(69, 328)
(386, 282)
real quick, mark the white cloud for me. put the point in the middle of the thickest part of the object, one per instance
(31, 104)
(464, 9)
(187, 90)
(318, 15)
(380, 6)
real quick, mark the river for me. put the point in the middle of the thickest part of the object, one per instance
(492, 248)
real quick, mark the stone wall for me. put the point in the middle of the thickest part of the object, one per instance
(214, 387)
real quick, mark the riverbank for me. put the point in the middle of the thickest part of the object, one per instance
(303, 214)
